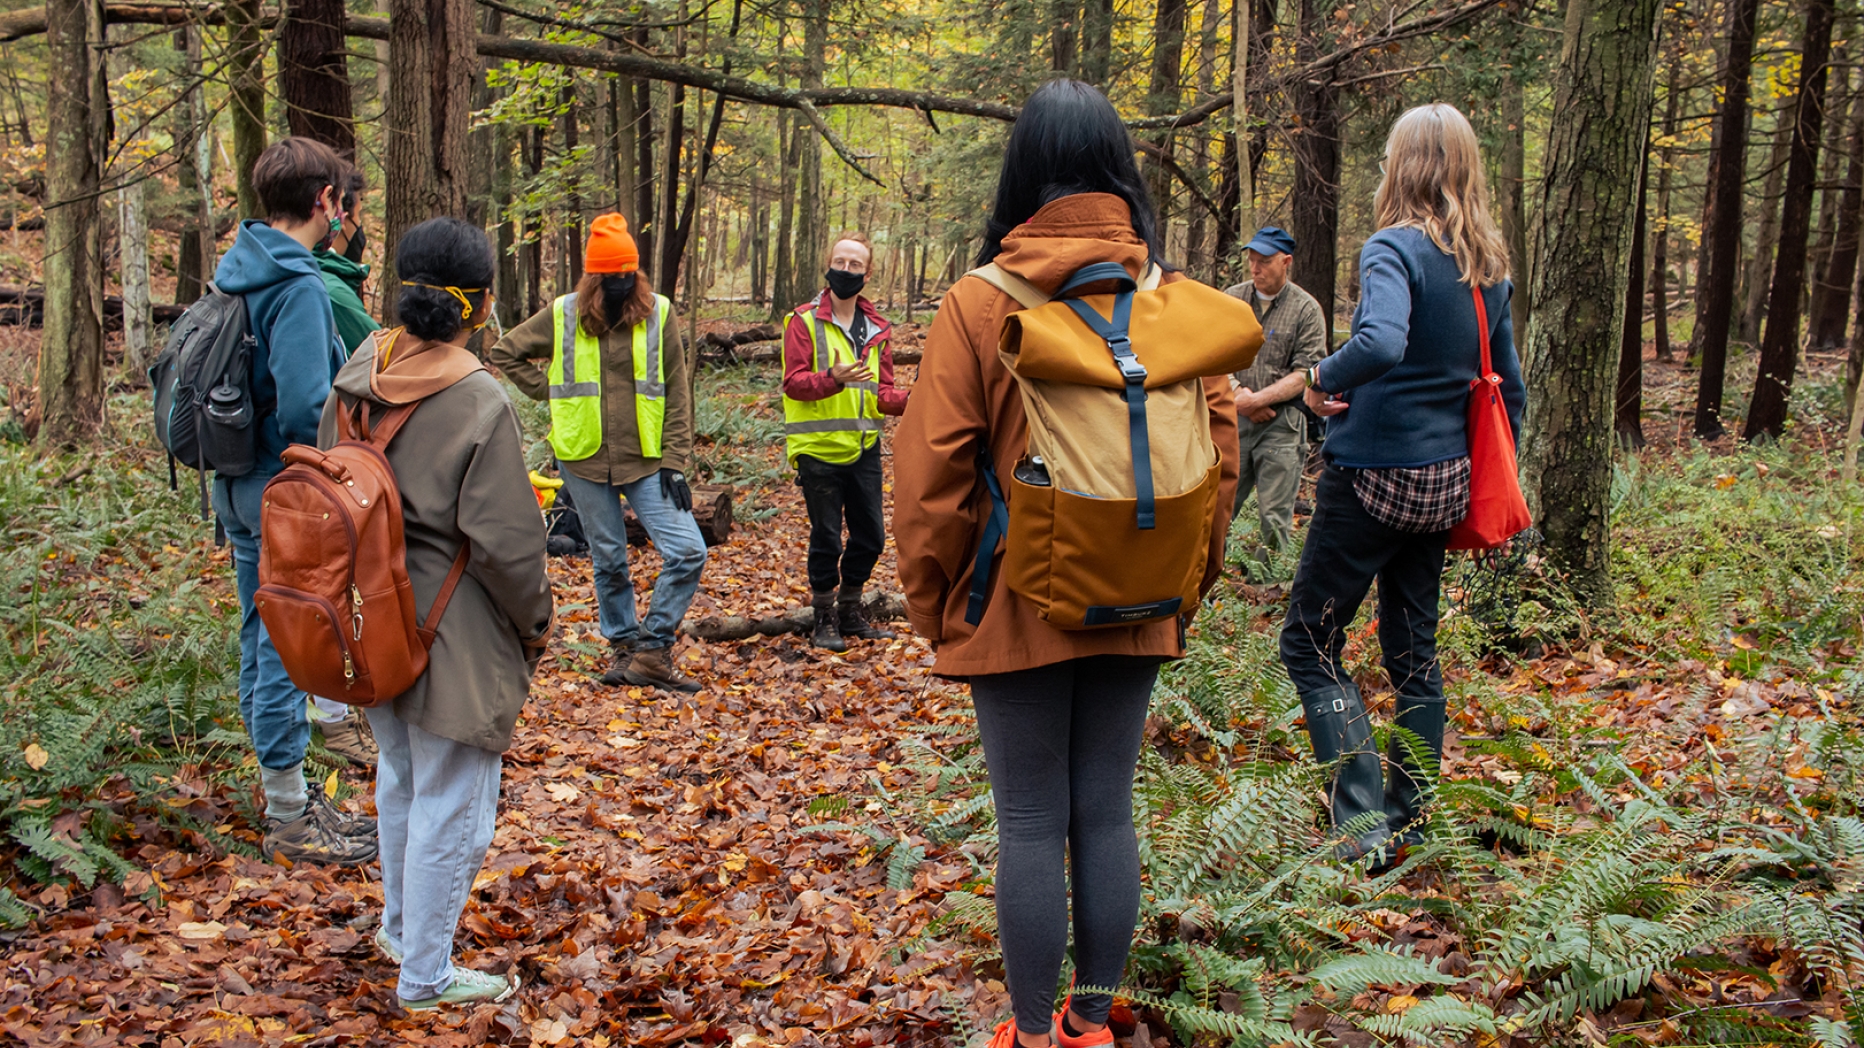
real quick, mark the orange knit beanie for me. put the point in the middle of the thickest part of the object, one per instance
(611, 249)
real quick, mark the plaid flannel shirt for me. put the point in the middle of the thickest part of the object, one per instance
(1429, 498)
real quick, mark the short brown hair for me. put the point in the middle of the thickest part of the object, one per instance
(290, 174)
(857, 237)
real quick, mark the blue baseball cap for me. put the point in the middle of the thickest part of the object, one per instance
(1271, 240)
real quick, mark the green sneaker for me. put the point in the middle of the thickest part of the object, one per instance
(386, 948)
(468, 987)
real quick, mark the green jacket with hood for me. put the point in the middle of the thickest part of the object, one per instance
(343, 279)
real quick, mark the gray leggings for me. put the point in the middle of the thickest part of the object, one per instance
(1061, 743)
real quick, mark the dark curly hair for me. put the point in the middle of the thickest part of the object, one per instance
(442, 252)
(1068, 139)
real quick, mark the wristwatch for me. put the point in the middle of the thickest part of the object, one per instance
(1313, 378)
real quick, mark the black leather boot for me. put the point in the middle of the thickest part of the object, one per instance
(1413, 783)
(854, 620)
(1338, 728)
(827, 623)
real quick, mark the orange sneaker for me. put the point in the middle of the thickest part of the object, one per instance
(1087, 1040)
(1005, 1037)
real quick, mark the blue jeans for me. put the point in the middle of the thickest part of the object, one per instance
(272, 707)
(675, 534)
(436, 801)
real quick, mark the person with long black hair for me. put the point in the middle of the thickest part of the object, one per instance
(620, 389)
(1061, 712)
(459, 466)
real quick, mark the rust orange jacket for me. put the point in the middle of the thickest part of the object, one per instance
(965, 400)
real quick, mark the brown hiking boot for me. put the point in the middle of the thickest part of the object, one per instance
(827, 623)
(653, 668)
(621, 653)
(854, 621)
(349, 738)
(343, 822)
(314, 837)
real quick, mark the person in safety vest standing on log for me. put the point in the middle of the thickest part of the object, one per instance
(837, 382)
(619, 384)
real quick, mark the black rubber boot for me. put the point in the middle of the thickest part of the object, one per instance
(1411, 783)
(854, 620)
(827, 623)
(1338, 728)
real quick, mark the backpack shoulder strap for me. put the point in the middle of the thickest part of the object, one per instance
(1010, 284)
(431, 627)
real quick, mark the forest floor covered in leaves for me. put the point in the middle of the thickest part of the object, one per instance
(1648, 830)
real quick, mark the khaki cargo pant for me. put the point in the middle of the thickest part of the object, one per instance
(1269, 459)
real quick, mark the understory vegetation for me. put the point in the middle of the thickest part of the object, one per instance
(1650, 832)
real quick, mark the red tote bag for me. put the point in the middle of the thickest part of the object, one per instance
(1497, 512)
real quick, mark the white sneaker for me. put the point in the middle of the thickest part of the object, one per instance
(468, 987)
(386, 948)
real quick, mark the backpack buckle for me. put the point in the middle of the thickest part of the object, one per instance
(1130, 368)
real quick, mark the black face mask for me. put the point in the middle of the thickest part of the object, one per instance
(616, 291)
(845, 284)
(357, 242)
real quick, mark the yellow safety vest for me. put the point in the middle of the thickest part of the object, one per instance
(576, 382)
(837, 428)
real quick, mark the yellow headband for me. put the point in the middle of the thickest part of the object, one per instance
(456, 292)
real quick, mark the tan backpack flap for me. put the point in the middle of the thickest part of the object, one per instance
(1182, 330)
(1081, 434)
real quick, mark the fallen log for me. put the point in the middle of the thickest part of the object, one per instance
(711, 509)
(26, 305)
(880, 607)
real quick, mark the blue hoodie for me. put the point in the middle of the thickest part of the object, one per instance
(299, 349)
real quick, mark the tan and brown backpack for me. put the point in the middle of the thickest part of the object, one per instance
(333, 567)
(1108, 514)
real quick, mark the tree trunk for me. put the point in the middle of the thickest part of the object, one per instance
(533, 253)
(1581, 250)
(1660, 234)
(1162, 96)
(1830, 310)
(1198, 258)
(667, 267)
(1514, 196)
(1628, 408)
(1097, 42)
(246, 101)
(573, 201)
(807, 256)
(482, 156)
(1831, 161)
(644, 212)
(133, 250)
(789, 131)
(314, 74)
(1766, 240)
(431, 53)
(1064, 27)
(194, 173)
(71, 352)
(627, 153)
(1316, 193)
(1721, 230)
(1779, 350)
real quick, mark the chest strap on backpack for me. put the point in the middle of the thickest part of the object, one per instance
(995, 527)
(1115, 332)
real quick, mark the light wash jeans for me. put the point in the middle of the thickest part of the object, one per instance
(676, 536)
(272, 707)
(436, 801)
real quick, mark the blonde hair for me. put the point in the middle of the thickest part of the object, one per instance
(1433, 181)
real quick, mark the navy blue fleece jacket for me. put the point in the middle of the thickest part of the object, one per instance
(1406, 370)
(299, 350)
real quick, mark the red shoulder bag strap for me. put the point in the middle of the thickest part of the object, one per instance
(1482, 333)
(378, 436)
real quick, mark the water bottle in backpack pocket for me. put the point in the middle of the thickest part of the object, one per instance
(204, 412)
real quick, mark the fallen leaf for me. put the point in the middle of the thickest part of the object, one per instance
(36, 756)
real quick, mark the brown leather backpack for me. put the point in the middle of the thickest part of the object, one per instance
(333, 568)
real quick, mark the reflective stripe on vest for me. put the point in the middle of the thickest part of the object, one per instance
(575, 377)
(834, 429)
